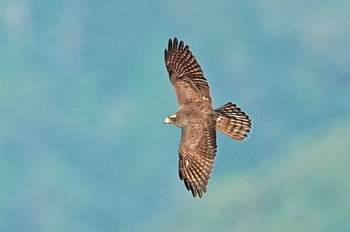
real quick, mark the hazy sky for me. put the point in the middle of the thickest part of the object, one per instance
(84, 91)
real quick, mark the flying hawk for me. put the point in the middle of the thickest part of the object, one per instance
(197, 118)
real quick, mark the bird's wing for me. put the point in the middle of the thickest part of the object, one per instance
(185, 74)
(196, 157)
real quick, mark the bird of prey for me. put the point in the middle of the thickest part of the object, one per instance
(197, 118)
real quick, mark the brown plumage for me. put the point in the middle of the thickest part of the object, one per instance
(197, 118)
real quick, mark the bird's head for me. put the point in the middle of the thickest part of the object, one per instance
(172, 119)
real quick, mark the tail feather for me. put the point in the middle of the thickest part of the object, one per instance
(232, 121)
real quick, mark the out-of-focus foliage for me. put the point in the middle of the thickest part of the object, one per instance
(84, 91)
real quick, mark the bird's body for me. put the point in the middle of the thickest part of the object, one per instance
(197, 118)
(194, 113)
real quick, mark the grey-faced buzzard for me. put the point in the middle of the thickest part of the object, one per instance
(197, 118)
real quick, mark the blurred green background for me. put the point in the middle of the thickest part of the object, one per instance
(83, 95)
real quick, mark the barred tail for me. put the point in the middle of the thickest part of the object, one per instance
(232, 121)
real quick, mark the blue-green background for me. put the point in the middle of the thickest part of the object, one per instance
(84, 91)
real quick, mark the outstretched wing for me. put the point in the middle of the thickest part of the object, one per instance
(185, 74)
(197, 152)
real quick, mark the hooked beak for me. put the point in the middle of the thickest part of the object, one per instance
(166, 121)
